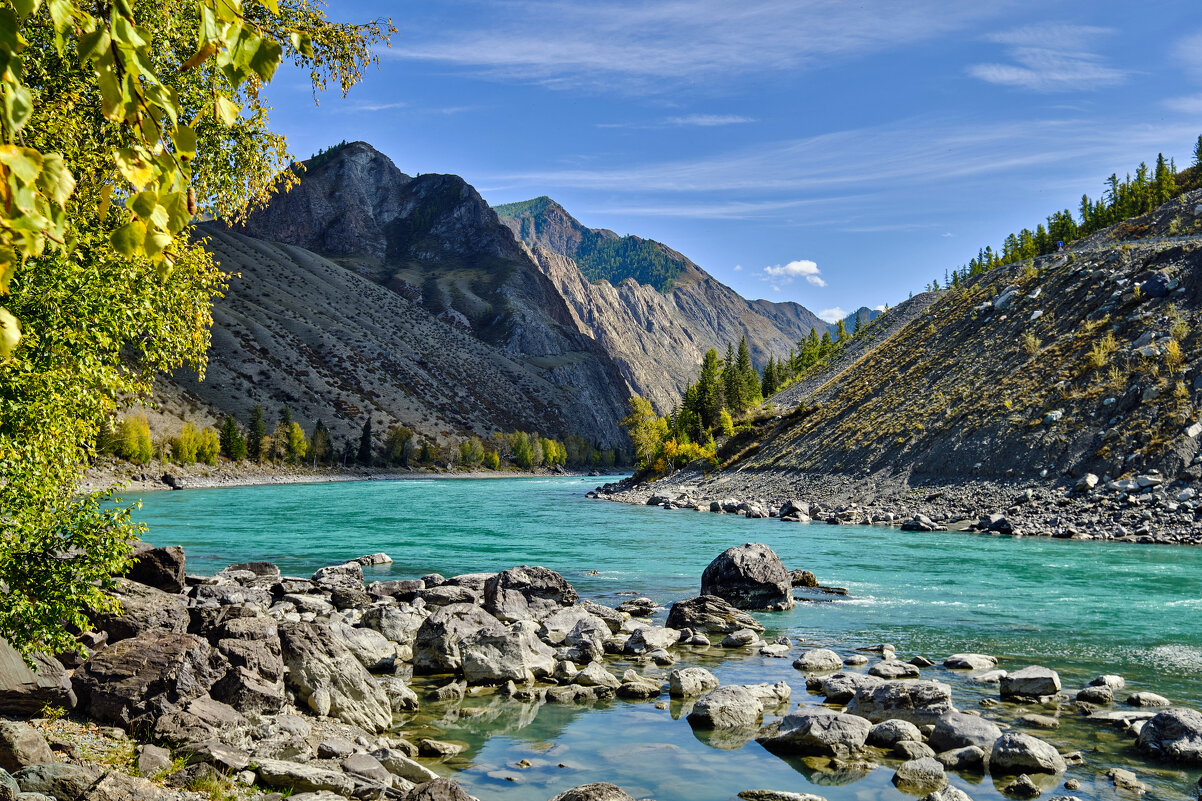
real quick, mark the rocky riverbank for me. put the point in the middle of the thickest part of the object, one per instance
(249, 683)
(1144, 508)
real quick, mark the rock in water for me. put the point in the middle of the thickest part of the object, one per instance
(710, 614)
(436, 644)
(823, 732)
(958, 730)
(527, 593)
(330, 680)
(919, 702)
(691, 681)
(441, 789)
(1174, 735)
(515, 654)
(1031, 682)
(749, 576)
(818, 659)
(727, 708)
(1015, 753)
(919, 776)
(598, 791)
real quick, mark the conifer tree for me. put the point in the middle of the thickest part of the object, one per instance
(233, 446)
(731, 385)
(710, 390)
(365, 448)
(749, 379)
(255, 434)
(768, 382)
(321, 446)
(1198, 153)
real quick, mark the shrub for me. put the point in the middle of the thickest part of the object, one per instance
(1173, 357)
(185, 444)
(1031, 343)
(726, 423)
(208, 446)
(1102, 350)
(492, 460)
(129, 440)
(471, 452)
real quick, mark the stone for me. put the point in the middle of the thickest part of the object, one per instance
(839, 688)
(1096, 695)
(214, 753)
(894, 669)
(596, 675)
(556, 627)
(243, 688)
(1126, 781)
(1146, 699)
(598, 791)
(1039, 721)
(1022, 787)
(347, 575)
(730, 707)
(638, 687)
(907, 750)
(21, 745)
(527, 593)
(139, 678)
(513, 654)
(1174, 735)
(116, 786)
(1030, 682)
(920, 702)
(328, 679)
(889, 733)
(777, 795)
(302, 778)
(823, 732)
(401, 696)
(437, 749)
(970, 758)
(368, 767)
(60, 780)
(818, 659)
(712, 615)
(948, 793)
(201, 719)
(651, 638)
(26, 691)
(1014, 753)
(152, 760)
(142, 609)
(970, 662)
(919, 776)
(335, 748)
(958, 730)
(436, 644)
(373, 559)
(690, 682)
(750, 576)
(400, 765)
(161, 568)
(373, 650)
(1110, 681)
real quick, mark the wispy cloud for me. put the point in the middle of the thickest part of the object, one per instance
(1188, 53)
(371, 107)
(783, 274)
(1051, 58)
(832, 315)
(630, 45)
(709, 120)
(1186, 105)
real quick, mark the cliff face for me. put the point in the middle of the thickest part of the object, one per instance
(366, 291)
(656, 337)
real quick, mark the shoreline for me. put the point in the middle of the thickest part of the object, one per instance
(1146, 509)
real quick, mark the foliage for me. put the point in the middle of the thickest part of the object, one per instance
(726, 424)
(129, 440)
(365, 445)
(398, 445)
(492, 460)
(256, 432)
(1031, 343)
(321, 445)
(120, 121)
(471, 452)
(1173, 357)
(1102, 350)
(233, 445)
(298, 443)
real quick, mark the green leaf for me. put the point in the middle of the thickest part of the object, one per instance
(10, 333)
(94, 45)
(26, 7)
(273, 6)
(185, 141)
(176, 205)
(10, 38)
(227, 110)
(8, 266)
(24, 162)
(56, 181)
(112, 99)
(156, 242)
(302, 43)
(125, 32)
(143, 203)
(266, 58)
(18, 105)
(127, 240)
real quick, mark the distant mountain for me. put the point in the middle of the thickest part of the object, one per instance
(863, 315)
(366, 291)
(652, 309)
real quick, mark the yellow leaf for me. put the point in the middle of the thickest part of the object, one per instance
(227, 110)
(135, 168)
(10, 333)
(200, 56)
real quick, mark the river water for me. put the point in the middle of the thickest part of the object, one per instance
(1083, 608)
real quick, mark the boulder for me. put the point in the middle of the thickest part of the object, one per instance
(1174, 735)
(401, 697)
(749, 576)
(398, 624)
(1115, 683)
(441, 789)
(152, 760)
(1146, 699)
(399, 764)
(139, 678)
(822, 732)
(970, 758)
(436, 645)
(731, 707)
(1014, 753)
(918, 776)
(1030, 682)
(1096, 695)
(115, 786)
(373, 650)
(651, 638)
(60, 780)
(556, 627)
(513, 654)
(348, 575)
(595, 674)
(920, 702)
(26, 691)
(328, 679)
(161, 568)
(215, 753)
(143, 609)
(368, 767)
(889, 733)
(202, 719)
(839, 688)
(527, 593)
(21, 745)
(818, 659)
(710, 614)
(286, 775)
(598, 791)
(894, 669)
(691, 682)
(958, 730)
(970, 662)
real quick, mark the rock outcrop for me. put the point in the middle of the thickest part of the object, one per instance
(749, 576)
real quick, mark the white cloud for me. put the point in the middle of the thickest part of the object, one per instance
(947, 235)
(738, 268)
(1189, 52)
(1051, 58)
(709, 120)
(1186, 105)
(833, 315)
(372, 107)
(816, 280)
(880, 308)
(635, 46)
(783, 274)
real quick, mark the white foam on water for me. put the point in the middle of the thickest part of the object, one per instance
(1177, 657)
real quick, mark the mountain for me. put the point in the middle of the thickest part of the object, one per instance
(364, 291)
(861, 316)
(653, 310)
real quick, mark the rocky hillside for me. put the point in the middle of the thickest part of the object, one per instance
(364, 291)
(1081, 362)
(654, 311)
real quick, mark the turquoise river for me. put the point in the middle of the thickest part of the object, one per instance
(1083, 608)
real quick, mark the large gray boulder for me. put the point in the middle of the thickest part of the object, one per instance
(690, 682)
(731, 707)
(1174, 735)
(59, 780)
(710, 614)
(161, 568)
(514, 654)
(818, 659)
(436, 645)
(1014, 753)
(21, 745)
(956, 730)
(889, 733)
(918, 776)
(823, 732)
(920, 702)
(440, 789)
(839, 688)
(970, 662)
(302, 778)
(399, 624)
(143, 609)
(116, 786)
(138, 679)
(255, 682)
(527, 593)
(651, 638)
(26, 692)
(329, 680)
(373, 650)
(346, 576)
(556, 627)
(749, 576)
(1030, 682)
(598, 791)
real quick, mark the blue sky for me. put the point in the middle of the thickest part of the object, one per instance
(838, 154)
